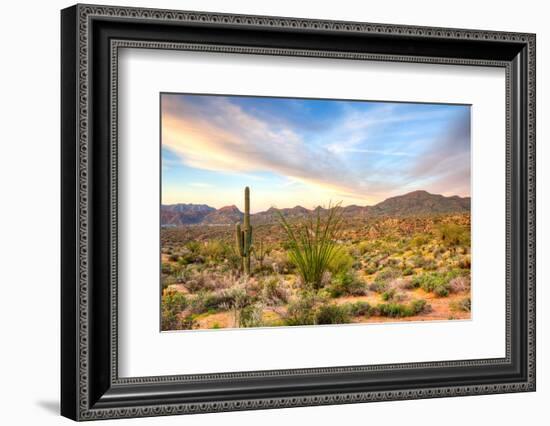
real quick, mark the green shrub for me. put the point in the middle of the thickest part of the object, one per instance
(464, 305)
(332, 314)
(400, 310)
(360, 308)
(302, 310)
(215, 250)
(273, 292)
(173, 303)
(419, 240)
(453, 235)
(382, 279)
(408, 271)
(346, 283)
(395, 310)
(435, 282)
(418, 305)
(166, 268)
(388, 294)
(341, 261)
(174, 300)
(211, 301)
(251, 316)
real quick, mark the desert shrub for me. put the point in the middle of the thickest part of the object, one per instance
(274, 292)
(388, 294)
(393, 262)
(312, 244)
(196, 283)
(424, 263)
(419, 240)
(378, 286)
(193, 247)
(459, 284)
(394, 310)
(187, 322)
(346, 283)
(435, 282)
(453, 235)
(419, 305)
(408, 271)
(209, 301)
(430, 265)
(465, 262)
(280, 263)
(173, 303)
(464, 305)
(166, 268)
(332, 314)
(173, 257)
(189, 257)
(301, 311)
(387, 274)
(174, 300)
(399, 310)
(371, 268)
(251, 316)
(365, 247)
(342, 261)
(214, 250)
(382, 279)
(359, 308)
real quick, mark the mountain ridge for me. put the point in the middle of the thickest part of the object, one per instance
(417, 202)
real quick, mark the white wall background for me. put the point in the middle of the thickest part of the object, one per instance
(29, 216)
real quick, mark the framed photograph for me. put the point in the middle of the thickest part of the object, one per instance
(263, 212)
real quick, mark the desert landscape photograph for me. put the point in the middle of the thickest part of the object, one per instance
(280, 212)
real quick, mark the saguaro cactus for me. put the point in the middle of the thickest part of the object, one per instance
(244, 236)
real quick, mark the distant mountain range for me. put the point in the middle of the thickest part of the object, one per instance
(413, 203)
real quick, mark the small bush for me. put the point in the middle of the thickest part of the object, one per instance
(419, 305)
(360, 308)
(174, 300)
(210, 301)
(332, 314)
(465, 262)
(341, 262)
(435, 282)
(251, 316)
(388, 294)
(274, 292)
(301, 311)
(453, 235)
(346, 283)
(408, 271)
(215, 250)
(459, 284)
(382, 279)
(173, 303)
(420, 240)
(395, 310)
(464, 305)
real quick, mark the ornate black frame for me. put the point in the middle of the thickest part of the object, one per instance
(91, 37)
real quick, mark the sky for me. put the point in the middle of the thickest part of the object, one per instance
(309, 152)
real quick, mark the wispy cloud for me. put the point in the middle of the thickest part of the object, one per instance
(357, 150)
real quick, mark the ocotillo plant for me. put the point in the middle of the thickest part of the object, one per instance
(243, 236)
(313, 244)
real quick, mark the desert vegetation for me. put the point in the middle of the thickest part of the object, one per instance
(325, 266)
